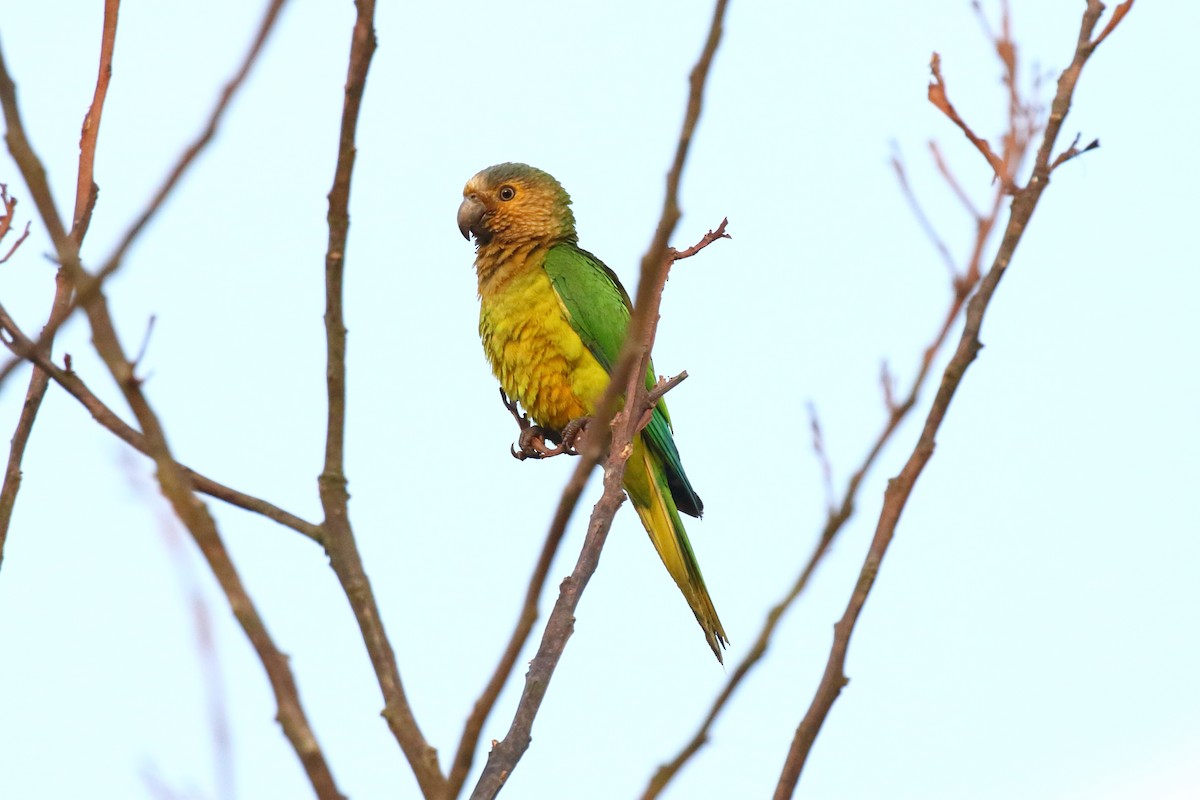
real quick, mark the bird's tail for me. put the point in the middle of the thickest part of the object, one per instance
(646, 484)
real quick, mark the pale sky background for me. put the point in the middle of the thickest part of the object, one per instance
(1033, 632)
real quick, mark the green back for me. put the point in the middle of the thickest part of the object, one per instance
(598, 310)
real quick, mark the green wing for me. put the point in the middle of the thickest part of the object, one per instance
(598, 308)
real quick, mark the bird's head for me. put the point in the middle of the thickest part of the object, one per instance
(515, 204)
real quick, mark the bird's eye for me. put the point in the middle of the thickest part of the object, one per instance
(507, 193)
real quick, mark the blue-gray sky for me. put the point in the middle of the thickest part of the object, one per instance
(1033, 630)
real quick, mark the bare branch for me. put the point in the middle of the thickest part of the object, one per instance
(343, 552)
(914, 205)
(1071, 152)
(963, 282)
(705, 241)
(1118, 15)
(6, 220)
(465, 754)
(19, 241)
(818, 446)
(89, 286)
(86, 190)
(900, 488)
(84, 202)
(24, 348)
(937, 96)
(838, 514)
(10, 207)
(172, 480)
(952, 181)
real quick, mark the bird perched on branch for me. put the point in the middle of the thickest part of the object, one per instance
(553, 318)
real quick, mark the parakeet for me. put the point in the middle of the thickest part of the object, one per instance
(553, 318)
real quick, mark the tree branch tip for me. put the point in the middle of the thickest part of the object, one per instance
(1074, 151)
(936, 94)
(1118, 14)
(705, 241)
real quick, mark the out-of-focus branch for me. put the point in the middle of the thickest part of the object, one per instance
(89, 285)
(919, 212)
(1118, 14)
(343, 552)
(8, 213)
(205, 641)
(172, 481)
(937, 96)
(900, 488)
(195, 516)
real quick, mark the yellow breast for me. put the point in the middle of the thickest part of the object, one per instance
(537, 356)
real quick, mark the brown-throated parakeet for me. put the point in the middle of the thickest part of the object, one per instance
(553, 318)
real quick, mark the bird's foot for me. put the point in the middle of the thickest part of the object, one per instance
(533, 438)
(532, 442)
(573, 435)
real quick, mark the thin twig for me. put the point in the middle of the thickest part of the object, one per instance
(90, 285)
(818, 446)
(202, 625)
(172, 481)
(85, 200)
(838, 515)
(900, 488)
(25, 348)
(914, 205)
(9, 213)
(528, 615)
(86, 190)
(962, 282)
(465, 754)
(19, 241)
(937, 96)
(1066, 155)
(638, 342)
(6, 220)
(1118, 14)
(344, 557)
(952, 181)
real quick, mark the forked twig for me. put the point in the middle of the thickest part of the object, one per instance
(340, 544)
(937, 96)
(90, 285)
(174, 484)
(6, 220)
(900, 488)
(84, 202)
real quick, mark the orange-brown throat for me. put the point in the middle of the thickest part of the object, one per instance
(497, 263)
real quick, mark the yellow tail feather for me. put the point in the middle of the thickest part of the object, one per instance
(646, 484)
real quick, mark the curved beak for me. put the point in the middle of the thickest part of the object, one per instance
(470, 215)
